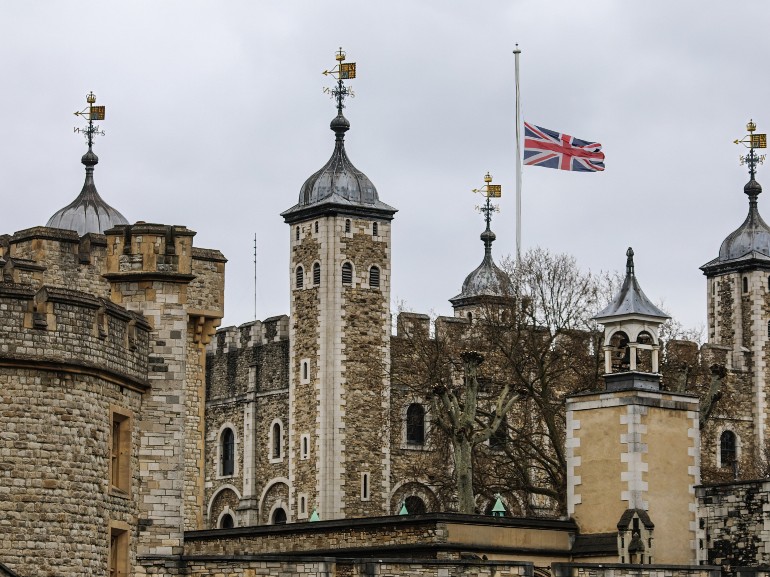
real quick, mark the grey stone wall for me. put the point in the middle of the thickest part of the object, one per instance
(732, 520)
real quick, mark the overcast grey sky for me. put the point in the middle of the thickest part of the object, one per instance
(216, 116)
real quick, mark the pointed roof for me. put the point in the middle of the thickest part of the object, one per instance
(338, 186)
(749, 245)
(88, 212)
(631, 300)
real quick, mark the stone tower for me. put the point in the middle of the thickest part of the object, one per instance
(633, 450)
(339, 354)
(738, 298)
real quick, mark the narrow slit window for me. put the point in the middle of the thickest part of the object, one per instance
(228, 452)
(728, 449)
(317, 274)
(347, 273)
(374, 277)
(316, 227)
(375, 229)
(276, 441)
(300, 277)
(297, 234)
(364, 486)
(745, 284)
(347, 225)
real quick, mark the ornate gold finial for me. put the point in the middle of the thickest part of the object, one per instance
(342, 71)
(489, 191)
(752, 141)
(92, 113)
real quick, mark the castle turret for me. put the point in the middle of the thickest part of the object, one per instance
(339, 334)
(633, 450)
(738, 297)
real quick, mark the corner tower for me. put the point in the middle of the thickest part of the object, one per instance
(738, 300)
(339, 335)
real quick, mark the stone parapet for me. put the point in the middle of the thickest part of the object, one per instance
(70, 331)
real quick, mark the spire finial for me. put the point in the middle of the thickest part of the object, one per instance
(91, 113)
(342, 71)
(489, 191)
(630, 262)
(752, 141)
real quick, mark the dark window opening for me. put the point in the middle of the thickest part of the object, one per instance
(375, 229)
(228, 452)
(297, 234)
(499, 438)
(347, 225)
(374, 277)
(279, 517)
(745, 284)
(728, 449)
(227, 522)
(276, 441)
(300, 277)
(415, 506)
(415, 424)
(316, 226)
(347, 273)
(316, 274)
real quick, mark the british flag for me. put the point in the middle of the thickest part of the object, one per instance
(543, 147)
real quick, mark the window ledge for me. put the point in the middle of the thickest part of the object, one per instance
(117, 492)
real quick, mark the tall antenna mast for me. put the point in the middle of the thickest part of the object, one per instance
(255, 276)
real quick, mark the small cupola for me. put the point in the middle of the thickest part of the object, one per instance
(339, 186)
(631, 335)
(487, 283)
(88, 213)
(748, 246)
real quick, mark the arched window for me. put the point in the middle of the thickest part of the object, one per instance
(300, 276)
(745, 284)
(276, 450)
(316, 274)
(375, 229)
(227, 452)
(499, 438)
(316, 227)
(347, 225)
(414, 505)
(415, 424)
(279, 516)
(226, 522)
(296, 235)
(374, 277)
(347, 273)
(727, 449)
(470, 316)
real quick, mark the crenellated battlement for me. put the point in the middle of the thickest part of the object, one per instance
(71, 331)
(254, 333)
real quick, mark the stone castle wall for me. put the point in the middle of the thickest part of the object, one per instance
(67, 360)
(732, 519)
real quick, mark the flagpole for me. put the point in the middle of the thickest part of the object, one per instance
(516, 53)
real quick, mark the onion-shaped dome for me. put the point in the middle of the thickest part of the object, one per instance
(88, 212)
(487, 281)
(749, 244)
(338, 185)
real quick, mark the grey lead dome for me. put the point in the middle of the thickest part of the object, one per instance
(88, 212)
(753, 235)
(487, 280)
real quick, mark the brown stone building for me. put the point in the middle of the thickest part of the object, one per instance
(136, 439)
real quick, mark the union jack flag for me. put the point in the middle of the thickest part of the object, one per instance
(543, 147)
